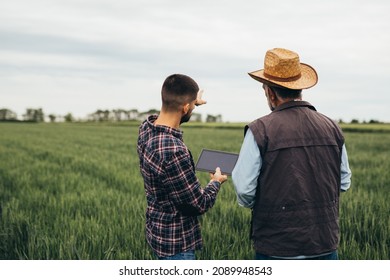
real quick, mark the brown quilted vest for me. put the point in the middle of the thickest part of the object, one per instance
(296, 210)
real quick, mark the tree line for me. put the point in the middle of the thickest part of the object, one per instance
(116, 115)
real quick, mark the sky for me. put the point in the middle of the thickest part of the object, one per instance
(77, 56)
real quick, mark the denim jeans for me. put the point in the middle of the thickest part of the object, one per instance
(331, 256)
(189, 255)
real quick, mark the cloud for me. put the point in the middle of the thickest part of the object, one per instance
(79, 56)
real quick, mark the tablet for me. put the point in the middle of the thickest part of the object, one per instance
(209, 160)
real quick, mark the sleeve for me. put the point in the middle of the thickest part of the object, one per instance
(346, 172)
(186, 192)
(247, 171)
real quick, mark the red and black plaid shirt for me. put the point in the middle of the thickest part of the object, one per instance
(174, 195)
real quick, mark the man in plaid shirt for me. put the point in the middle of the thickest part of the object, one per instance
(174, 195)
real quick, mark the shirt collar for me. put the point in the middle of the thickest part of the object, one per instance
(292, 104)
(163, 128)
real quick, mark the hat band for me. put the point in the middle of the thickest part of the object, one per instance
(290, 79)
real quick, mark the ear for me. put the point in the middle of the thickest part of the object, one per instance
(186, 108)
(272, 94)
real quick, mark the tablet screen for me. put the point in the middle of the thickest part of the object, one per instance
(209, 160)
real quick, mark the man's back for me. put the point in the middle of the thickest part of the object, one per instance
(173, 193)
(296, 207)
(291, 167)
(167, 230)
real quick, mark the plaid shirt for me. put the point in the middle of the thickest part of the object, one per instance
(173, 193)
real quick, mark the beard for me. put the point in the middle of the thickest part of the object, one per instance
(186, 117)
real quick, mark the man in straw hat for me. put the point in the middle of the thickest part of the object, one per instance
(292, 165)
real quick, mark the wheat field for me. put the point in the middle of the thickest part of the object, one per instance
(74, 191)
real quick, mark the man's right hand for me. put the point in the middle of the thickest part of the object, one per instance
(217, 176)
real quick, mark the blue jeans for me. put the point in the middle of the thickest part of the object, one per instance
(330, 256)
(189, 255)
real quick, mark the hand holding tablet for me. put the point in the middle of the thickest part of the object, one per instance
(218, 176)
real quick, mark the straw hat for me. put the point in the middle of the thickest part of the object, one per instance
(283, 68)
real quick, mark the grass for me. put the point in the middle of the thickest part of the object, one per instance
(74, 191)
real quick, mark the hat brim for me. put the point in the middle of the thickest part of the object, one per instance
(308, 78)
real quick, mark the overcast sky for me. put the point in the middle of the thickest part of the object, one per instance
(78, 56)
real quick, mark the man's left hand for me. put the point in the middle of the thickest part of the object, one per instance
(199, 101)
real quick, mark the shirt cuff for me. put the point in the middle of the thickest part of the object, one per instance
(216, 184)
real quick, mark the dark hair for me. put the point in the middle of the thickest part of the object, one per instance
(287, 93)
(178, 90)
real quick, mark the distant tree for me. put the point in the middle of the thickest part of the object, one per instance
(52, 118)
(196, 117)
(68, 117)
(153, 112)
(117, 114)
(106, 115)
(39, 115)
(34, 115)
(132, 114)
(97, 116)
(7, 115)
(103, 116)
(144, 115)
(355, 121)
(211, 118)
(100, 115)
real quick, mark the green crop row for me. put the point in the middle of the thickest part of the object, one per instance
(74, 191)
